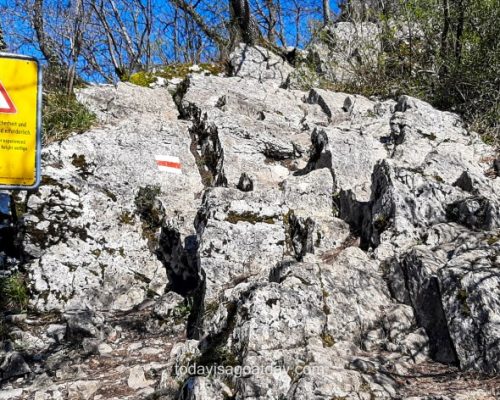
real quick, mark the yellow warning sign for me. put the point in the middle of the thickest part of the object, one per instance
(20, 119)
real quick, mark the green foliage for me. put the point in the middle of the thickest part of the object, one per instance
(210, 309)
(181, 312)
(250, 217)
(14, 294)
(144, 78)
(126, 218)
(328, 340)
(466, 60)
(455, 69)
(175, 71)
(470, 73)
(214, 68)
(493, 239)
(63, 115)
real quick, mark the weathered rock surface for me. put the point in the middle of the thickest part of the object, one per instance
(90, 227)
(260, 64)
(114, 103)
(459, 276)
(337, 54)
(317, 245)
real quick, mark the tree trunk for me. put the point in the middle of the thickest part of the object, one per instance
(326, 12)
(460, 31)
(200, 21)
(3, 45)
(243, 20)
(272, 20)
(446, 28)
(43, 41)
(76, 45)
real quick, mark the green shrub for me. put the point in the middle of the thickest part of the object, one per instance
(63, 115)
(456, 70)
(14, 294)
(328, 340)
(142, 78)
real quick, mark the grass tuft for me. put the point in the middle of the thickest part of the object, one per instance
(63, 115)
(14, 293)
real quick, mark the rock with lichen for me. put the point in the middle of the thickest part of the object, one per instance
(315, 245)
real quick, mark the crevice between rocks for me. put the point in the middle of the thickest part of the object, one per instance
(179, 256)
(206, 146)
(10, 241)
(369, 220)
(181, 261)
(319, 158)
(301, 234)
(425, 298)
(358, 214)
(207, 151)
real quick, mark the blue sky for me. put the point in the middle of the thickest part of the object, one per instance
(21, 38)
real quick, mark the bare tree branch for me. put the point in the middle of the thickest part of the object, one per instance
(198, 19)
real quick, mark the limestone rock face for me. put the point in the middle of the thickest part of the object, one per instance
(260, 64)
(113, 103)
(317, 245)
(337, 54)
(91, 227)
(461, 276)
(205, 388)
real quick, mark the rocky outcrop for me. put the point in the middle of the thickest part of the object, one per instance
(457, 275)
(338, 54)
(258, 63)
(90, 228)
(317, 245)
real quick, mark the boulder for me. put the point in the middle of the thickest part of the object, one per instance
(254, 62)
(453, 289)
(200, 387)
(14, 366)
(339, 53)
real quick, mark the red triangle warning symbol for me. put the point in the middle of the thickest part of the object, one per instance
(6, 104)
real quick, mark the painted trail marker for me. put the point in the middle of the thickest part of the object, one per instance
(20, 122)
(169, 164)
